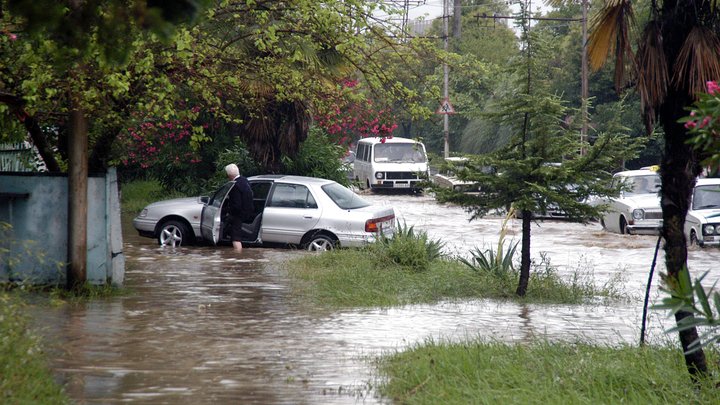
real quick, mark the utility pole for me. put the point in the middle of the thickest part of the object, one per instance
(584, 95)
(446, 93)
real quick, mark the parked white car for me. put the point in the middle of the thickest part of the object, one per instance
(702, 223)
(448, 178)
(317, 214)
(637, 209)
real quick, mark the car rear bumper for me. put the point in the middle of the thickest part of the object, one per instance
(357, 240)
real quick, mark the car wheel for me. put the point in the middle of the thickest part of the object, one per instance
(694, 239)
(623, 226)
(174, 233)
(320, 243)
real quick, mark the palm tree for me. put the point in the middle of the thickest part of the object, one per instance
(677, 52)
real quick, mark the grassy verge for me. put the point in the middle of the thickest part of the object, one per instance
(364, 278)
(24, 374)
(137, 194)
(409, 268)
(541, 373)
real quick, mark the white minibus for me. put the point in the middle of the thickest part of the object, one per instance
(390, 163)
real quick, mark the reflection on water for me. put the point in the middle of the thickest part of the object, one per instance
(205, 325)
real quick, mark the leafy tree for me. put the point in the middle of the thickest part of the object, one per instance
(473, 60)
(71, 33)
(704, 124)
(542, 165)
(352, 116)
(677, 53)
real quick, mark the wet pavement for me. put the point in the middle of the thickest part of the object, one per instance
(204, 325)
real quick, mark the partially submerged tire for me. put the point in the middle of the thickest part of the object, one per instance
(320, 243)
(175, 233)
(694, 239)
(623, 226)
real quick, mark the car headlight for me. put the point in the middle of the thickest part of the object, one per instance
(710, 229)
(638, 214)
(143, 213)
(379, 175)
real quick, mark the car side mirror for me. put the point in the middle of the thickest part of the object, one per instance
(203, 199)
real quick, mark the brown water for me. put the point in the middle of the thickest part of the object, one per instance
(208, 326)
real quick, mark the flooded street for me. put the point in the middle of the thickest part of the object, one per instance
(204, 325)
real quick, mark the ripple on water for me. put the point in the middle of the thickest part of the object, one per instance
(206, 325)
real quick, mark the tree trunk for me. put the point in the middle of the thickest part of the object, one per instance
(525, 261)
(100, 154)
(679, 169)
(77, 195)
(40, 142)
(37, 136)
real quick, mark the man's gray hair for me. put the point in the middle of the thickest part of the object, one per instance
(232, 170)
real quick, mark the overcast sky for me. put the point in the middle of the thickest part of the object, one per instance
(434, 8)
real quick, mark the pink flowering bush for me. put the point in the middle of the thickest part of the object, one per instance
(704, 124)
(350, 116)
(167, 152)
(153, 140)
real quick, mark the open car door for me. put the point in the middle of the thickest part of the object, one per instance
(211, 224)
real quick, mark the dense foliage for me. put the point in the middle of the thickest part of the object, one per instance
(254, 71)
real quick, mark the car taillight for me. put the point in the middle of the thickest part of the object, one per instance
(375, 224)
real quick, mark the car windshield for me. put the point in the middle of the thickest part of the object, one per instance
(649, 184)
(343, 197)
(706, 197)
(399, 152)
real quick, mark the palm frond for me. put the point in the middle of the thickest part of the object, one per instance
(651, 72)
(610, 34)
(557, 3)
(698, 61)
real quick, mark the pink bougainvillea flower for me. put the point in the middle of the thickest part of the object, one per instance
(705, 122)
(690, 124)
(713, 87)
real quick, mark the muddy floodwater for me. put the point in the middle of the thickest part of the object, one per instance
(204, 325)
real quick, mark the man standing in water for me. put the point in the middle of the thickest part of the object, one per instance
(240, 205)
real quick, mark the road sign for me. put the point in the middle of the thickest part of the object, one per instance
(445, 107)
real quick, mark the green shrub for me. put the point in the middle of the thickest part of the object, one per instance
(495, 264)
(318, 157)
(409, 248)
(135, 195)
(239, 155)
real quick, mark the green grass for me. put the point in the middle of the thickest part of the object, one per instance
(366, 278)
(25, 377)
(137, 194)
(355, 278)
(541, 373)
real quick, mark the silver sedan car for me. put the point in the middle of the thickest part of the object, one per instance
(317, 214)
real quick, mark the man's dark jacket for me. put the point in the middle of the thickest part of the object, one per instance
(240, 202)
